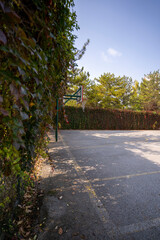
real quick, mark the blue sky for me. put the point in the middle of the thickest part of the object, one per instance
(124, 36)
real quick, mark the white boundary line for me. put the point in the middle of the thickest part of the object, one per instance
(125, 176)
(141, 226)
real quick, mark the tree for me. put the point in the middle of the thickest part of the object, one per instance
(114, 91)
(94, 95)
(134, 101)
(107, 91)
(150, 91)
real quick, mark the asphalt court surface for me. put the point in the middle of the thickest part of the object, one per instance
(123, 170)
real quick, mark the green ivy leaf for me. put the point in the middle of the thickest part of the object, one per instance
(2, 6)
(26, 105)
(23, 91)
(1, 99)
(16, 160)
(12, 15)
(14, 91)
(15, 106)
(3, 38)
(21, 71)
(4, 112)
(24, 116)
(9, 75)
(16, 145)
(2, 205)
(4, 48)
(51, 35)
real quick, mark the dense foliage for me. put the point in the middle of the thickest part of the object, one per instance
(109, 91)
(37, 54)
(149, 95)
(108, 119)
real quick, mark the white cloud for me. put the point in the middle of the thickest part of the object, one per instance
(114, 53)
(110, 54)
(104, 57)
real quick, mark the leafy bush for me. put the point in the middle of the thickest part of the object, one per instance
(98, 118)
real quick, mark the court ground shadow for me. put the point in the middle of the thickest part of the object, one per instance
(118, 171)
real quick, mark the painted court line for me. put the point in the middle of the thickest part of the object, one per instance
(107, 143)
(102, 145)
(125, 176)
(141, 226)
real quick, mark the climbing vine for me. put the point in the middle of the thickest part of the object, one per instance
(37, 55)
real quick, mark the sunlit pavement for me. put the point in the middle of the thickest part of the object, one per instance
(119, 171)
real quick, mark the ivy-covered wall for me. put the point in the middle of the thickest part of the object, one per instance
(98, 118)
(37, 55)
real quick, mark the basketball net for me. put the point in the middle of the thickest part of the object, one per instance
(84, 104)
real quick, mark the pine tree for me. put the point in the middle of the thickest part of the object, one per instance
(150, 91)
(115, 91)
(134, 100)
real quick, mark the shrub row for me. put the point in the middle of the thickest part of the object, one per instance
(108, 119)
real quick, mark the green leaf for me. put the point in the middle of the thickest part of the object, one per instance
(12, 15)
(23, 91)
(21, 33)
(26, 105)
(21, 71)
(3, 38)
(21, 131)
(37, 81)
(9, 75)
(1, 99)
(16, 161)
(31, 42)
(2, 205)
(14, 91)
(2, 6)
(15, 106)
(4, 112)
(4, 48)
(24, 116)
(51, 35)
(35, 70)
(24, 61)
(39, 56)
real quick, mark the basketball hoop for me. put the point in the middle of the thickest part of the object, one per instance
(80, 95)
(84, 104)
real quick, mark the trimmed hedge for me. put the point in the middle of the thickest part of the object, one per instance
(109, 119)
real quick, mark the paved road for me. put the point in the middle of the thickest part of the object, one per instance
(120, 172)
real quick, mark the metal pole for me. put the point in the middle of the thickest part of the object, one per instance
(56, 133)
